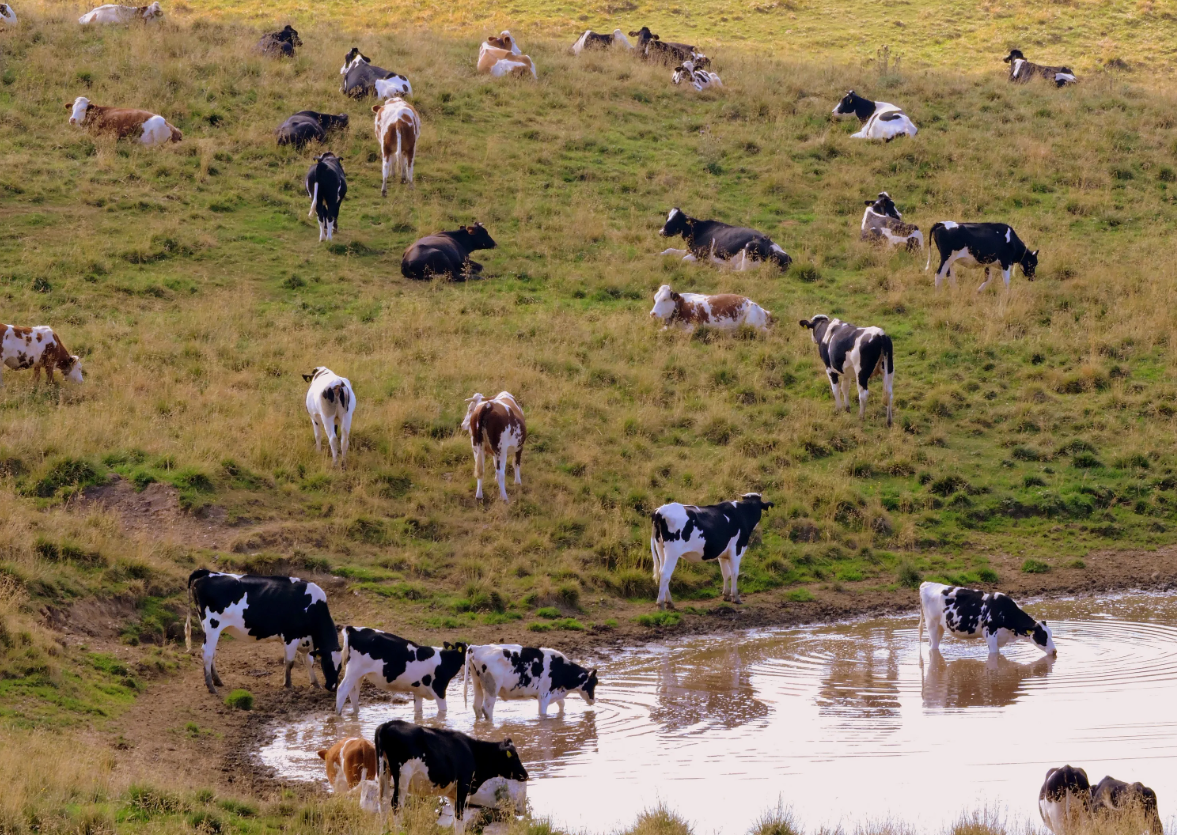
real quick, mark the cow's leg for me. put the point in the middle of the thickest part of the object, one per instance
(348, 688)
(560, 705)
(322, 231)
(888, 391)
(460, 794)
(387, 164)
(309, 660)
(479, 465)
(417, 705)
(318, 438)
(991, 640)
(291, 652)
(500, 461)
(1005, 274)
(835, 388)
(412, 160)
(518, 458)
(382, 776)
(332, 444)
(984, 283)
(211, 636)
(725, 569)
(488, 704)
(735, 561)
(442, 705)
(344, 437)
(941, 273)
(864, 375)
(676, 252)
(669, 561)
(935, 633)
(36, 374)
(544, 700)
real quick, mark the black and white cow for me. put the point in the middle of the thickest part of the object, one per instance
(1112, 798)
(848, 350)
(437, 762)
(592, 40)
(511, 671)
(447, 254)
(263, 608)
(882, 223)
(732, 246)
(979, 244)
(360, 76)
(653, 47)
(879, 119)
(307, 126)
(281, 43)
(1021, 70)
(326, 185)
(400, 666)
(969, 613)
(697, 534)
(1064, 800)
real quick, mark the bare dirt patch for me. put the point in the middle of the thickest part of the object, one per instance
(156, 512)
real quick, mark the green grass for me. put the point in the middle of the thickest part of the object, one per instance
(240, 700)
(659, 619)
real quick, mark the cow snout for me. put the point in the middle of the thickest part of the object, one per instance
(72, 120)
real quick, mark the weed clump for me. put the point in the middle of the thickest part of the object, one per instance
(1033, 566)
(239, 700)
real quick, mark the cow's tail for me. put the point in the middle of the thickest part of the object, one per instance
(192, 578)
(931, 239)
(466, 677)
(314, 200)
(887, 360)
(343, 653)
(654, 553)
(379, 768)
(341, 395)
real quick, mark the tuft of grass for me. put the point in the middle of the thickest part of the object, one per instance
(800, 596)
(1033, 566)
(240, 700)
(659, 619)
(908, 576)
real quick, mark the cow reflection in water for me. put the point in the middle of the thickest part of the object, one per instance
(995, 681)
(862, 682)
(713, 691)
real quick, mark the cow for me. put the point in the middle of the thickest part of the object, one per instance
(733, 246)
(1112, 798)
(7, 14)
(969, 613)
(979, 244)
(879, 119)
(504, 40)
(863, 352)
(281, 43)
(396, 665)
(348, 762)
(495, 426)
(149, 128)
(500, 56)
(308, 126)
(326, 185)
(511, 671)
(437, 762)
(1021, 71)
(38, 347)
(653, 47)
(591, 40)
(447, 254)
(112, 13)
(262, 608)
(882, 223)
(393, 86)
(330, 402)
(1064, 800)
(360, 76)
(718, 531)
(692, 310)
(697, 78)
(492, 795)
(397, 129)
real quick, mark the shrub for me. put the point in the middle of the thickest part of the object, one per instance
(548, 613)
(240, 700)
(1076, 564)
(205, 822)
(1085, 461)
(659, 619)
(908, 576)
(987, 575)
(1033, 566)
(539, 627)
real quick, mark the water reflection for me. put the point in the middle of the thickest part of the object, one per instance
(994, 681)
(708, 689)
(862, 681)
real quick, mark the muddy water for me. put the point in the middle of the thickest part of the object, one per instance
(837, 721)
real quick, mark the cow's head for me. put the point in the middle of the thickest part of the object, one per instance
(1043, 638)
(619, 37)
(1014, 55)
(856, 104)
(353, 57)
(509, 765)
(588, 690)
(79, 107)
(478, 238)
(315, 372)
(754, 499)
(71, 369)
(682, 73)
(665, 303)
(473, 404)
(289, 35)
(699, 61)
(459, 647)
(816, 325)
(677, 223)
(151, 12)
(327, 156)
(327, 121)
(644, 36)
(884, 205)
(1029, 263)
(504, 40)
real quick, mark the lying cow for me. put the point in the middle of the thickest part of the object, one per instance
(879, 119)
(326, 185)
(730, 246)
(591, 40)
(360, 76)
(398, 126)
(969, 613)
(1114, 798)
(691, 310)
(395, 85)
(262, 608)
(436, 762)
(701, 534)
(396, 665)
(112, 13)
(491, 797)
(447, 254)
(847, 350)
(330, 402)
(308, 126)
(38, 347)
(7, 14)
(495, 426)
(1021, 70)
(281, 43)
(500, 56)
(979, 244)
(348, 762)
(882, 223)
(653, 47)
(148, 128)
(697, 78)
(511, 671)
(1064, 801)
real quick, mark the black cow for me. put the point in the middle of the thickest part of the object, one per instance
(309, 126)
(651, 46)
(447, 254)
(1064, 800)
(847, 350)
(360, 76)
(436, 762)
(715, 532)
(326, 185)
(280, 43)
(734, 246)
(979, 244)
(263, 608)
(392, 663)
(1021, 70)
(1114, 797)
(969, 613)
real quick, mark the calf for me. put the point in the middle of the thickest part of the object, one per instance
(1021, 70)
(691, 310)
(733, 246)
(281, 43)
(308, 126)
(882, 223)
(148, 128)
(879, 119)
(263, 608)
(348, 762)
(112, 13)
(37, 348)
(697, 78)
(968, 613)
(511, 671)
(437, 762)
(979, 244)
(653, 47)
(718, 531)
(846, 349)
(360, 76)
(326, 185)
(397, 128)
(394, 664)
(330, 402)
(1114, 798)
(495, 426)
(1064, 800)
(447, 254)
(7, 14)
(499, 56)
(591, 40)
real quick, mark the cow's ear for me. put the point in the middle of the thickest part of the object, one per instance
(655, 37)
(69, 105)
(376, 108)
(308, 377)
(805, 323)
(446, 645)
(1034, 253)
(869, 202)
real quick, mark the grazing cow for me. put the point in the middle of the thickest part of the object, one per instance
(863, 352)
(307, 126)
(733, 246)
(718, 531)
(360, 76)
(400, 666)
(969, 613)
(691, 310)
(436, 762)
(447, 254)
(697, 78)
(495, 426)
(879, 119)
(882, 223)
(1112, 798)
(280, 43)
(1021, 70)
(500, 56)
(397, 128)
(263, 608)
(348, 762)
(36, 348)
(511, 671)
(1064, 800)
(147, 127)
(653, 47)
(591, 40)
(326, 185)
(112, 13)
(979, 244)
(7, 14)
(330, 401)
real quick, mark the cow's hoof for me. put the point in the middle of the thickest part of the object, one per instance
(737, 600)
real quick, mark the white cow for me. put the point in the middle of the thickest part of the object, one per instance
(879, 119)
(394, 85)
(511, 671)
(700, 79)
(330, 402)
(7, 14)
(113, 13)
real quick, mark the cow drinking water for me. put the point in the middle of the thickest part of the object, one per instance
(969, 613)
(511, 671)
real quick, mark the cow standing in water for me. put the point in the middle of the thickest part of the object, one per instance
(969, 613)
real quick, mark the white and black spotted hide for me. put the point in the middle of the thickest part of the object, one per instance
(848, 351)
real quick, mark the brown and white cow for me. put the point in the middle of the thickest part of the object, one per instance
(147, 127)
(113, 13)
(495, 426)
(36, 348)
(691, 310)
(347, 761)
(500, 55)
(397, 128)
